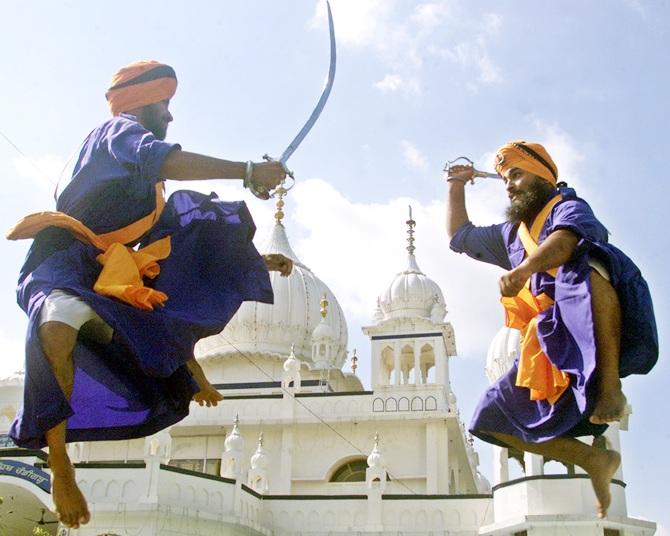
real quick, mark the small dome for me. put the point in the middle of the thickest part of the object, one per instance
(291, 364)
(272, 329)
(259, 460)
(234, 442)
(413, 294)
(376, 458)
(503, 350)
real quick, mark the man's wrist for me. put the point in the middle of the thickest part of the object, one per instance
(248, 174)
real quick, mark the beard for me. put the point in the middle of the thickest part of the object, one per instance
(527, 204)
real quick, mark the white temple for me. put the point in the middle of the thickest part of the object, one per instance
(299, 447)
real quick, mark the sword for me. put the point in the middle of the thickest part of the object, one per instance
(312, 118)
(476, 172)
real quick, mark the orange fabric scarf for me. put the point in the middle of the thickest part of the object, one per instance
(535, 372)
(123, 267)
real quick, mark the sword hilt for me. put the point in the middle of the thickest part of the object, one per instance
(475, 172)
(288, 172)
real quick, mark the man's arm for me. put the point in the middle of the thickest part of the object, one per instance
(557, 249)
(457, 214)
(185, 166)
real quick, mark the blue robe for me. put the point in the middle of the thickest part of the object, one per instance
(139, 383)
(565, 330)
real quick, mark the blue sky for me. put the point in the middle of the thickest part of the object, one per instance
(417, 83)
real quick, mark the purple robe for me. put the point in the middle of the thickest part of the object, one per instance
(139, 383)
(565, 330)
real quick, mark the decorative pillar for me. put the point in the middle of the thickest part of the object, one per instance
(417, 363)
(396, 362)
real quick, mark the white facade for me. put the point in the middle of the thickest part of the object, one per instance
(299, 447)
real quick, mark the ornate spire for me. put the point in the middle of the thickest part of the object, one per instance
(354, 362)
(410, 232)
(324, 306)
(279, 215)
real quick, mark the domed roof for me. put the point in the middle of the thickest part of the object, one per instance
(376, 458)
(411, 293)
(502, 352)
(272, 329)
(259, 460)
(234, 442)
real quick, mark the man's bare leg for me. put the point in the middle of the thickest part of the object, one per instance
(58, 341)
(611, 402)
(600, 464)
(208, 395)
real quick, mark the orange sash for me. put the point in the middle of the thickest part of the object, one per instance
(123, 267)
(535, 372)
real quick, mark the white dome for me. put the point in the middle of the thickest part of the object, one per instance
(503, 350)
(376, 458)
(234, 442)
(259, 460)
(413, 294)
(272, 329)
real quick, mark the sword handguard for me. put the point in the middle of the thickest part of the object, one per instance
(475, 172)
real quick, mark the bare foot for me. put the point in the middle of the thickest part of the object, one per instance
(208, 395)
(611, 406)
(601, 470)
(71, 508)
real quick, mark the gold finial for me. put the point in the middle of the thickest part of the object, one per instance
(260, 440)
(354, 362)
(376, 439)
(324, 306)
(280, 191)
(410, 232)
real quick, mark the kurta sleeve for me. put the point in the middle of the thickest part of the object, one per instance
(486, 244)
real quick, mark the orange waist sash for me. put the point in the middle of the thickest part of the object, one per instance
(535, 372)
(123, 267)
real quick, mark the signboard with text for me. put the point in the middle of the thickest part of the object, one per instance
(26, 472)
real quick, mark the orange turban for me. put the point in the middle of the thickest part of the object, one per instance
(139, 84)
(531, 157)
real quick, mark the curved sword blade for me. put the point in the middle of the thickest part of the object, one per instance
(322, 100)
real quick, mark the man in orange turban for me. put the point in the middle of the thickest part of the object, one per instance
(120, 284)
(583, 309)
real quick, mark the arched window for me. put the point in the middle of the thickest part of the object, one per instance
(352, 471)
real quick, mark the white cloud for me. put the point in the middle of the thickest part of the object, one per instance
(562, 148)
(638, 6)
(357, 23)
(13, 352)
(390, 83)
(412, 156)
(357, 249)
(403, 42)
(44, 170)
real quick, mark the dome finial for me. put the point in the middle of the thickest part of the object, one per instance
(410, 232)
(354, 361)
(279, 215)
(324, 306)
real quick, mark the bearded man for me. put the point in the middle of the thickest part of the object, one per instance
(120, 284)
(582, 306)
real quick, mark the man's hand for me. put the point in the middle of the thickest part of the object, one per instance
(276, 262)
(460, 173)
(268, 174)
(514, 280)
